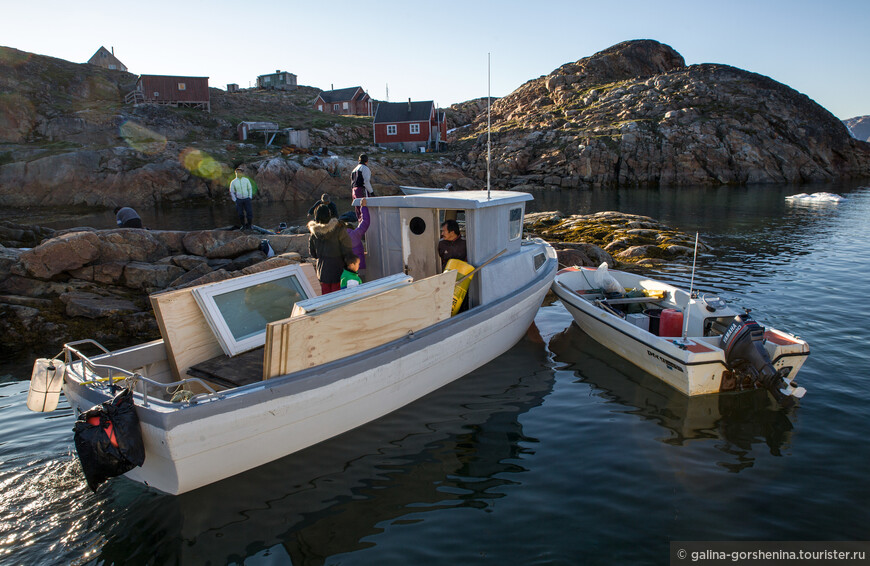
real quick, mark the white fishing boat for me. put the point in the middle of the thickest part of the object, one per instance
(696, 344)
(256, 367)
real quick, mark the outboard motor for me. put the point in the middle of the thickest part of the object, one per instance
(745, 354)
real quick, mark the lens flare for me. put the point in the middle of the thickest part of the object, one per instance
(203, 165)
(141, 138)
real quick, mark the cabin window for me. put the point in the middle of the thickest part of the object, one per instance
(417, 225)
(335, 107)
(156, 94)
(344, 106)
(112, 67)
(540, 259)
(238, 310)
(516, 223)
(320, 107)
(182, 86)
(391, 130)
(415, 128)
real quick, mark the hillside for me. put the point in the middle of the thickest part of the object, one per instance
(66, 138)
(860, 126)
(635, 114)
(631, 115)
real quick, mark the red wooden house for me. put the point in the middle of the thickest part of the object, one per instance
(410, 126)
(172, 91)
(353, 101)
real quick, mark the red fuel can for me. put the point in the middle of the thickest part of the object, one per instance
(671, 323)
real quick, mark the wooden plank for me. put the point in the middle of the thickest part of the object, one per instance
(311, 275)
(186, 333)
(352, 294)
(315, 339)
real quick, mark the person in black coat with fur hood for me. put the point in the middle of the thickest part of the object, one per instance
(328, 244)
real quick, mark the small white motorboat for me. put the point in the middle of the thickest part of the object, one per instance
(257, 367)
(697, 345)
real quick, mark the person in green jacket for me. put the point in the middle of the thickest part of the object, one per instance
(350, 277)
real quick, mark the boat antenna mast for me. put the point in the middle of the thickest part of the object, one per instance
(691, 291)
(694, 257)
(488, 141)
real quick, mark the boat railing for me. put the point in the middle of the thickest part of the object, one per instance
(115, 373)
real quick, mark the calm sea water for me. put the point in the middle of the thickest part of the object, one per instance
(558, 452)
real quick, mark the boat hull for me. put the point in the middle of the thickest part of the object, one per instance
(691, 374)
(201, 444)
(692, 365)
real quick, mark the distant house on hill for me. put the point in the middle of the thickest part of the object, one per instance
(278, 80)
(107, 60)
(410, 126)
(171, 91)
(232, 87)
(353, 101)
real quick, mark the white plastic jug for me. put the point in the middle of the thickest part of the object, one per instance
(45, 384)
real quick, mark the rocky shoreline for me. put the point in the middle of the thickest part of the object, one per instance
(86, 283)
(631, 115)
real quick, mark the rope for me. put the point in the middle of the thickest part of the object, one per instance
(180, 395)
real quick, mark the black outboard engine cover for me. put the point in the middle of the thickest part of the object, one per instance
(743, 343)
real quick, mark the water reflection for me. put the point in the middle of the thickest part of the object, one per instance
(454, 448)
(742, 420)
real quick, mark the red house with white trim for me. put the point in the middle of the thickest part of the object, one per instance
(352, 101)
(410, 126)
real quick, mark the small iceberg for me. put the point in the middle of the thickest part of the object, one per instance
(804, 198)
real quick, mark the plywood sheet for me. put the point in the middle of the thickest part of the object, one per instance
(187, 335)
(311, 275)
(310, 340)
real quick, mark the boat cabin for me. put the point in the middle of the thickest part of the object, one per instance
(405, 230)
(218, 331)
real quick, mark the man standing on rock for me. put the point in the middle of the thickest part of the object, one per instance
(361, 183)
(242, 193)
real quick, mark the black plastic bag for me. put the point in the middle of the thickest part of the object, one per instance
(108, 439)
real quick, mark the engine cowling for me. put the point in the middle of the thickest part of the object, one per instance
(745, 354)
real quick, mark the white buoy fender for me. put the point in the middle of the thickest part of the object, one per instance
(45, 384)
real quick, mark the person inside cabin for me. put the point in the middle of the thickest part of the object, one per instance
(350, 276)
(324, 201)
(328, 244)
(242, 193)
(451, 246)
(356, 237)
(361, 183)
(126, 217)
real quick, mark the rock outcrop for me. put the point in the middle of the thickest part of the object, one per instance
(635, 114)
(96, 283)
(609, 236)
(860, 127)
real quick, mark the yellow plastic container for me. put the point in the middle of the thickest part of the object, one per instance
(462, 269)
(658, 294)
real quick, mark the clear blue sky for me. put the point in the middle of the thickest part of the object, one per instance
(438, 50)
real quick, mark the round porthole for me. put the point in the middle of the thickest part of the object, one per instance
(417, 225)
